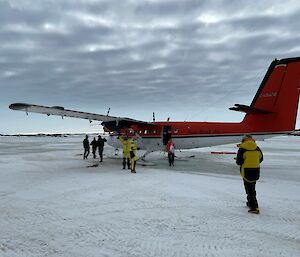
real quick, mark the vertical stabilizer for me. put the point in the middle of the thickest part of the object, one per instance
(274, 107)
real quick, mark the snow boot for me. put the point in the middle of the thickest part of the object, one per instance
(254, 211)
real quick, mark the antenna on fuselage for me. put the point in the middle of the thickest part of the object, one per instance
(108, 111)
(153, 117)
(168, 119)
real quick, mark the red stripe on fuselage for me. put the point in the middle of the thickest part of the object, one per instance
(199, 129)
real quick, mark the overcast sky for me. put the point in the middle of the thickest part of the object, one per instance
(188, 60)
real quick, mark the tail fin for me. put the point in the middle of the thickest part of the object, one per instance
(274, 107)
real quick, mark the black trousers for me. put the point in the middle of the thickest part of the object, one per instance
(251, 194)
(171, 157)
(86, 153)
(100, 153)
(128, 163)
(94, 152)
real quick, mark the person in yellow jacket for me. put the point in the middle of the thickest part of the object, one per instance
(249, 157)
(126, 144)
(133, 148)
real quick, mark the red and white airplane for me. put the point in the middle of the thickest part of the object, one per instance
(272, 112)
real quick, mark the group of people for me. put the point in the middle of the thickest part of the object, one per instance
(129, 152)
(99, 143)
(249, 157)
(128, 145)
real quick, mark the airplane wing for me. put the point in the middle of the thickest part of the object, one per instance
(119, 122)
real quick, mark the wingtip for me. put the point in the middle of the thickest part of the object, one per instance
(18, 106)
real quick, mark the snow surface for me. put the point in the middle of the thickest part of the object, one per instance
(53, 203)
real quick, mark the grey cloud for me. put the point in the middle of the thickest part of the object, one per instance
(155, 55)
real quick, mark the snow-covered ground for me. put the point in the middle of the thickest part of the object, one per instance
(53, 203)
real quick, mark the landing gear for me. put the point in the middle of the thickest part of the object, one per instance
(144, 155)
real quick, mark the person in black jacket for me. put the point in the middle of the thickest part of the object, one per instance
(86, 146)
(100, 144)
(249, 157)
(94, 145)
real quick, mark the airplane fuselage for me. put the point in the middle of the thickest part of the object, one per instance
(188, 135)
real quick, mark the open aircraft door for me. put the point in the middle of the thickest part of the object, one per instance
(167, 134)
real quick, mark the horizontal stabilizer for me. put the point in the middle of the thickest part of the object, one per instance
(248, 109)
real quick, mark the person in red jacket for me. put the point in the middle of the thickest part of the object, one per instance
(170, 149)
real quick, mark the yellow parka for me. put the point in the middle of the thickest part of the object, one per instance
(133, 148)
(249, 158)
(126, 144)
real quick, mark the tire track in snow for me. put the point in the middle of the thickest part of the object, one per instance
(25, 246)
(96, 235)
